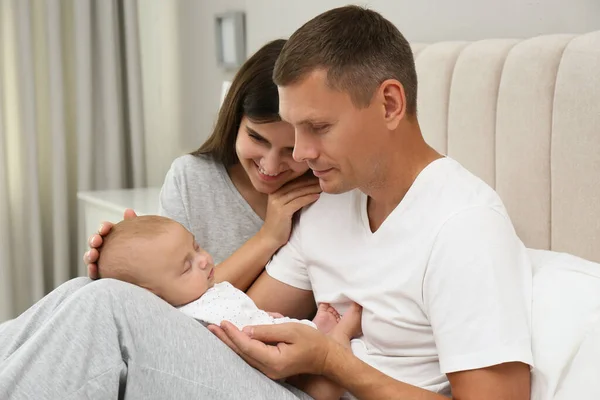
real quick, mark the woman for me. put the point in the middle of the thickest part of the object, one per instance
(242, 175)
(109, 339)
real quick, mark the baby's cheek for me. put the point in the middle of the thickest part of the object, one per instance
(201, 286)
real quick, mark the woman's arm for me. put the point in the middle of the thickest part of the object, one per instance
(243, 267)
(245, 264)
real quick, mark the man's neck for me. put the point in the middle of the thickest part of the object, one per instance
(399, 171)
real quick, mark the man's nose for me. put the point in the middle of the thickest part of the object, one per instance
(304, 148)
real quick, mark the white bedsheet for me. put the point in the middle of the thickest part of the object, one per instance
(565, 327)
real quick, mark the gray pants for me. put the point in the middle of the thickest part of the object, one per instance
(108, 339)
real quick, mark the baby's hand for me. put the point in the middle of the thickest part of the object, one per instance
(275, 315)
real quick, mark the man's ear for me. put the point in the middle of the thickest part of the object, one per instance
(394, 102)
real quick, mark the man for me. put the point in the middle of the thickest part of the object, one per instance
(426, 248)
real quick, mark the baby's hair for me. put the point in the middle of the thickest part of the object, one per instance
(119, 246)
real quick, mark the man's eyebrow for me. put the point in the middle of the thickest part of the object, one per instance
(307, 121)
(311, 121)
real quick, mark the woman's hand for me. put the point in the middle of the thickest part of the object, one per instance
(282, 206)
(95, 242)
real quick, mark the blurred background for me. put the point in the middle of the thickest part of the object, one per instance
(97, 96)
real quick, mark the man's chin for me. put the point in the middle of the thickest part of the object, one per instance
(333, 187)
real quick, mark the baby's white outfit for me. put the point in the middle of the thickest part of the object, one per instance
(223, 302)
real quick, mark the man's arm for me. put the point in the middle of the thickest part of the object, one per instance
(301, 349)
(366, 382)
(510, 381)
(317, 387)
(506, 381)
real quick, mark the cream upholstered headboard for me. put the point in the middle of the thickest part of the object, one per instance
(523, 115)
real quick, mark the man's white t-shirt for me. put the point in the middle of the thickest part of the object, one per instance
(445, 283)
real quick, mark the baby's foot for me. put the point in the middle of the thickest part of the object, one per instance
(327, 318)
(349, 326)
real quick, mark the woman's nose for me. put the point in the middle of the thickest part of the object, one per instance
(271, 163)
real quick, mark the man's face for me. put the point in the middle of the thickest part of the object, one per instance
(339, 141)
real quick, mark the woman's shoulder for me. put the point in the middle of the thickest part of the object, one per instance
(187, 161)
(196, 166)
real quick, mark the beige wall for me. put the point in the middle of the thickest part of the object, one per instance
(182, 80)
(435, 20)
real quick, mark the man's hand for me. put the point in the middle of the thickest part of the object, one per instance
(298, 349)
(279, 351)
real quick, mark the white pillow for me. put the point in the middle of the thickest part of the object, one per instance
(565, 326)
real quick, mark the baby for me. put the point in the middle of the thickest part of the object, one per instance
(162, 256)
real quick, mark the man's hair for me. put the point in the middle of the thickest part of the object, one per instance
(120, 246)
(358, 48)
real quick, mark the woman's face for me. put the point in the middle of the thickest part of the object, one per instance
(265, 153)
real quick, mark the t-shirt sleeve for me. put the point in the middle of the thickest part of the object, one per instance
(288, 264)
(170, 201)
(477, 292)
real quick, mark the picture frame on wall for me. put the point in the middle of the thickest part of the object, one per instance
(230, 39)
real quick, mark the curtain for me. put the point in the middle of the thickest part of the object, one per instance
(71, 119)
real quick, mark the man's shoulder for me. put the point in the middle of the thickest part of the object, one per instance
(330, 211)
(458, 189)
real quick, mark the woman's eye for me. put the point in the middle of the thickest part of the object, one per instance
(258, 138)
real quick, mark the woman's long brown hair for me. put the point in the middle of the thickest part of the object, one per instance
(252, 94)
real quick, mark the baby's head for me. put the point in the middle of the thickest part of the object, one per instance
(158, 254)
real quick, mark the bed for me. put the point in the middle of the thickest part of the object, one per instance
(524, 115)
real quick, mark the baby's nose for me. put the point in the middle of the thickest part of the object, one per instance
(204, 260)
